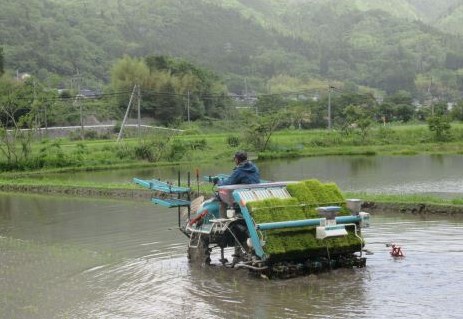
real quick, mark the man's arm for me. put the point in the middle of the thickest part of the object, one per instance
(233, 179)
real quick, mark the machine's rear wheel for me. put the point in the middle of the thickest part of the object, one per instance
(198, 249)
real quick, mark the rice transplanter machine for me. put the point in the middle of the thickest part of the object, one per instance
(277, 229)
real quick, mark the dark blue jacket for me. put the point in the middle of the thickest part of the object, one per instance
(245, 173)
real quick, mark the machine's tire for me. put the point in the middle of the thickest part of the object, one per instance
(198, 251)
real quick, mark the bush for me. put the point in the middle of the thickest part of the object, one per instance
(90, 135)
(233, 141)
(440, 125)
(177, 150)
(74, 136)
(80, 151)
(124, 152)
(117, 127)
(144, 152)
(198, 144)
(385, 134)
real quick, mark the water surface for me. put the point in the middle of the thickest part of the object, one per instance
(80, 258)
(437, 174)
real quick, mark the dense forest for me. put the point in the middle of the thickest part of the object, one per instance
(385, 45)
(197, 52)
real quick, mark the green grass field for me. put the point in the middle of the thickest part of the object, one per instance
(66, 155)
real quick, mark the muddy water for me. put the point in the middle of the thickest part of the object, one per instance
(77, 258)
(437, 174)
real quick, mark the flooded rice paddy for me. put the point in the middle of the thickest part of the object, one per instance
(64, 257)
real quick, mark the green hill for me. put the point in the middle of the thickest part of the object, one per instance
(374, 43)
(451, 20)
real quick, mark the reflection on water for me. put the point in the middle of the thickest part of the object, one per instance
(378, 174)
(76, 258)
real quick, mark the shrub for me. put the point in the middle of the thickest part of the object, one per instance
(124, 152)
(233, 141)
(440, 125)
(90, 135)
(198, 144)
(177, 150)
(117, 127)
(144, 152)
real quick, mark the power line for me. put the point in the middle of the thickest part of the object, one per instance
(71, 98)
(157, 93)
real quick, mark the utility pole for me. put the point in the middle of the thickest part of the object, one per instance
(138, 111)
(45, 119)
(77, 101)
(126, 113)
(329, 107)
(79, 104)
(34, 103)
(188, 107)
(432, 99)
(81, 116)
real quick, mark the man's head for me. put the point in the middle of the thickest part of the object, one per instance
(240, 157)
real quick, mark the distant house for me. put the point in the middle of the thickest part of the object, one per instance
(83, 93)
(90, 94)
(22, 76)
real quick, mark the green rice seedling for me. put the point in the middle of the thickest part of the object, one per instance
(306, 197)
(318, 191)
(274, 245)
(289, 209)
(302, 193)
(311, 212)
(259, 211)
(333, 190)
(275, 210)
(301, 242)
(295, 244)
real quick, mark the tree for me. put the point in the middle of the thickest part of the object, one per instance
(440, 125)
(359, 118)
(194, 88)
(159, 62)
(365, 103)
(261, 128)
(399, 97)
(440, 108)
(127, 72)
(2, 61)
(453, 60)
(15, 144)
(300, 115)
(270, 103)
(386, 112)
(457, 111)
(404, 112)
(169, 106)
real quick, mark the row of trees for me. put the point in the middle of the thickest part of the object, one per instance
(175, 90)
(170, 87)
(173, 97)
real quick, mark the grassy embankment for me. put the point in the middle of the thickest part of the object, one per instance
(69, 156)
(405, 199)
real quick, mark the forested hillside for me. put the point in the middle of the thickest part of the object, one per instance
(386, 45)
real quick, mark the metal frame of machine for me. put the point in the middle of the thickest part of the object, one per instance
(224, 221)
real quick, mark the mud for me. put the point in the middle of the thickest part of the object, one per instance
(132, 194)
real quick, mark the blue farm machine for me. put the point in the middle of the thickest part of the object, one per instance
(274, 229)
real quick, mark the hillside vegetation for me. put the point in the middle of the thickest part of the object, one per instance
(388, 45)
